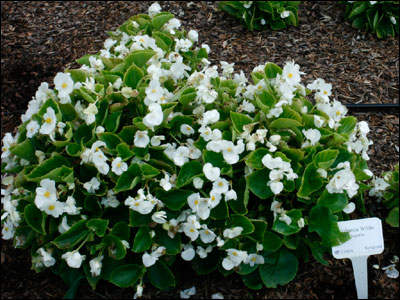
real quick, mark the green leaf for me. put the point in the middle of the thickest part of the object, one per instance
(265, 100)
(174, 199)
(204, 266)
(285, 229)
(318, 250)
(347, 125)
(73, 150)
(271, 70)
(284, 123)
(259, 230)
(358, 8)
(111, 139)
(121, 230)
(138, 58)
(252, 281)
(77, 75)
(335, 202)
(188, 171)
(160, 276)
(143, 240)
(132, 76)
(310, 182)
(239, 120)
(187, 95)
(127, 275)
(24, 150)
(217, 160)
(116, 249)
(160, 19)
(278, 24)
(393, 217)
(99, 226)
(54, 168)
(271, 241)
(72, 236)
(291, 241)
(124, 151)
(35, 218)
(136, 219)
(241, 221)
(129, 179)
(325, 158)
(173, 246)
(220, 212)
(148, 171)
(254, 160)
(112, 121)
(282, 271)
(323, 222)
(257, 182)
(84, 133)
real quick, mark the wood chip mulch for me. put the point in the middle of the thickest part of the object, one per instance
(39, 39)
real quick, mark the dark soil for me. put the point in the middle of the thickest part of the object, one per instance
(39, 39)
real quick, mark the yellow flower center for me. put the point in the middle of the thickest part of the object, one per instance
(338, 113)
(234, 253)
(325, 92)
(196, 202)
(229, 149)
(259, 87)
(6, 228)
(137, 204)
(153, 90)
(48, 120)
(142, 40)
(51, 207)
(290, 75)
(206, 232)
(4, 149)
(162, 98)
(188, 128)
(64, 85)
(118, 165)
(47, 194)
(220, 183)
(191, 230)
(97, 149)
(253, 259)
(213, 198)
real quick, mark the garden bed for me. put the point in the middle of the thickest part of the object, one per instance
(40, 39)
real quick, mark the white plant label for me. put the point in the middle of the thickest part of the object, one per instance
(366, 239)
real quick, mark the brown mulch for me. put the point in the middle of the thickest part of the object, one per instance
(39, 39)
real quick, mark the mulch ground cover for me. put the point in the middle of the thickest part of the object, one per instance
(39, 39)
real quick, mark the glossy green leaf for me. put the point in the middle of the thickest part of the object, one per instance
(188, 171)
(258, 183)
(254, 160)
(271, 241)
(239, 120)
(161, 276)
(174, 199)
(323, 222)
(132, 76)
(72, 236)
(99, 226)
(35, 218)
(143, 240)
(285, 229)
(311, 181)
(116, 249)
(25, 150)
(325, 158)
(129, 179)
(127, 275)
(336, 202)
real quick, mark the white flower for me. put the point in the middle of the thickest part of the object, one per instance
(63, 84)
(234, 259)
(46, 259)
(90, 113)
(217, 296)
(110, 200)
(193, 35)
(156, 140)
(96, 265)
(211, 173)
(232, 233)
(141, 139)
(8, 230)
(186, 294)
(74, 259)
(291, 73)
(186, 129)
(203, 253)
(318, 121)
(159, 217)
(181, 156)
(206, 235)
(275, 186)
(155, 117)
(154, 9)
(350, 207)
(32, 128)
(165, 183)
(190, 227)
(230, 195)
(285, 218)
(188, 253)
(50, 121)
(312, 136)
(118, 166)
(344, 180)
(391, 271)
(154, 92)
(8, 141)
(300, 223)
(198, 182)
(139, 287)
(231, 152)
(206, 94)
(150, 259)
(285, 14)
(63, 227)
(393, 20)
(220, 186)
(70, 207)
(253, 259)
(92, 186)
(172, 24)
(45, 193)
